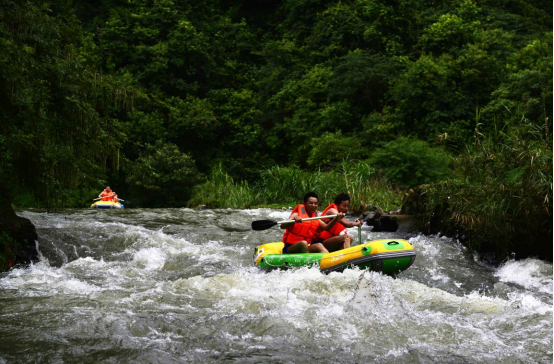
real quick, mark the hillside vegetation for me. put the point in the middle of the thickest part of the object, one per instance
(252, 103)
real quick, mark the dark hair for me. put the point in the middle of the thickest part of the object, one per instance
(341, 197)
(308, 195)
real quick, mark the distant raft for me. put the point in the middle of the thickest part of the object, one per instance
(106, 205)
(389, 256)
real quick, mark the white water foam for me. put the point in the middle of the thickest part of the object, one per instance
(42, 280)
(150, 259)
(138, 300)
(529, 273)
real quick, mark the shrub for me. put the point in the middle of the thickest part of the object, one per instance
(329, 150)
(501, 196)
(410, 162)
(163, 175)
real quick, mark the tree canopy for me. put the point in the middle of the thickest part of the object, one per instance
(90, 90)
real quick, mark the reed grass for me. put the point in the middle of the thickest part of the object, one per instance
(501, 196)
(221, 191)
(285, 186)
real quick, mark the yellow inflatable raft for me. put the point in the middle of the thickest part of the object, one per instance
(106, 205)
(389, 256)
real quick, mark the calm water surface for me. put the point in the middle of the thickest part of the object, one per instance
(179, 285)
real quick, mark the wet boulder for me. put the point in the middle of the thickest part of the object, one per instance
(391, 221)
(17, 235)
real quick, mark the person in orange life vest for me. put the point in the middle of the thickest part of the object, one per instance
(337, 238)
(107, 194)
(114, 198)
(299, 237)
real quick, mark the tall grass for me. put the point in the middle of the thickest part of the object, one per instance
(365, 187)
(221, 191)
(501, 195)
(285, 186)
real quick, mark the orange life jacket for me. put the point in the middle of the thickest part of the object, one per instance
(106, 196)
(301, 231)
(335, 230)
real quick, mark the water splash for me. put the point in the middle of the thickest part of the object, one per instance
(179, 285)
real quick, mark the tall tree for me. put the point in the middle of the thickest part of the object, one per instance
(57, 126)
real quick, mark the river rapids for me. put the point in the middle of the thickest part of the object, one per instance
(179, 285)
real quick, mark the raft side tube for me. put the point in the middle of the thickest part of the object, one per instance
(389, 256)
(106, 205)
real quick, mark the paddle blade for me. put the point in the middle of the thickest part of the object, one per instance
(263, 224)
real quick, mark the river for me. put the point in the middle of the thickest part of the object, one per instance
(179, 285)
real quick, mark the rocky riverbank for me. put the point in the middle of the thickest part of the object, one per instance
(414, 217)
(18, 237)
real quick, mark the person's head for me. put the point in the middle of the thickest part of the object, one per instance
(343, 202)
(311, 201)
(108, 188)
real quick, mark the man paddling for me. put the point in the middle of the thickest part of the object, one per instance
(337, 238)
(300, 236)
(107, 194)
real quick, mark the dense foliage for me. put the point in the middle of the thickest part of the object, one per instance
(57, 128)
(502, 193)
(280, 187)
(160, 177)
(226, 93)
(411, 162)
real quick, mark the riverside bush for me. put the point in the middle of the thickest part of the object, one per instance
(411, 162)
(501, 196)
(332, 148)
(285, 186)
(163, 176)
(221, 191)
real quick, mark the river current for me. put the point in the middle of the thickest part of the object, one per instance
(179, 285)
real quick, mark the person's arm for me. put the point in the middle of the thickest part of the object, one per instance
(350, 224)
(344, 222)
(295, 217)
(338, 218)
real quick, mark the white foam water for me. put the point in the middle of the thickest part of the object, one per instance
(179, 285)
(530, 274)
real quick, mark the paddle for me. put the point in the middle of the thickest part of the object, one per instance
(266, 224)
(99, 198)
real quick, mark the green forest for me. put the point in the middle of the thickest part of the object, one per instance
(250, 103)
